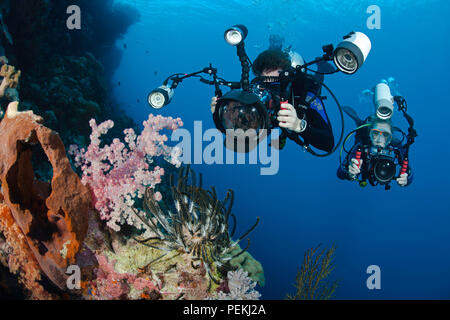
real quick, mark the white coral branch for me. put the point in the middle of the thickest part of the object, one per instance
(241, 287)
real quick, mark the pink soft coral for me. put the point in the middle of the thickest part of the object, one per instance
(119, 173)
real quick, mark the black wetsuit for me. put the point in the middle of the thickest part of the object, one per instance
(318, 132)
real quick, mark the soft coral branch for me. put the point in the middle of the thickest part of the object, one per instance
(120, 172)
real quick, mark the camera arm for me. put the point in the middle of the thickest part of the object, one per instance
(412, 133)
(216, 82)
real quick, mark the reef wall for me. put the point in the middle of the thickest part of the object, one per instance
(66, 73)
(51, 219)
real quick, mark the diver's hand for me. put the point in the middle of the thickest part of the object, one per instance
(402, 180)
(354, 168)
(287, 118)
(213, 104)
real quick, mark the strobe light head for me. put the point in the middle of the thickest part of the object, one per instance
(236, 34)
(384, 102)
(160, 97)
(351, 53)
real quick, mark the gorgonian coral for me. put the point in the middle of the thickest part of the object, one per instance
(312, 281)
(196, 223)
(119, 173)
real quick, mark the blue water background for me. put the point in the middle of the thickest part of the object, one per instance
(405, 231)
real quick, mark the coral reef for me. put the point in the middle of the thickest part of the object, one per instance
(190, 254)
(249, 264)
(52, 217)
(67, 93)
(179, 248)
(312, 279)
(155, 269)
(9, 82)
(3, 27)
(118, 174)
(20, 259)
(66, 75)
(238, 286)
(38, 28)
(197, 223)
(134, 271)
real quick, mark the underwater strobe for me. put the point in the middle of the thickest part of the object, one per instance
(236, 34)
(351, 53)
(384, 101)
(160, 97)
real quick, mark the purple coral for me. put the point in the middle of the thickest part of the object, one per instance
(120, 172)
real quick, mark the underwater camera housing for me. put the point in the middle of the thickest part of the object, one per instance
(243, 118)
(257, 108)
(382, 166)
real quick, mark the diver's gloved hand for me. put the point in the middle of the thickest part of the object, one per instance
(213, 104)
(354, 168)
(402, 180)
(287, 117)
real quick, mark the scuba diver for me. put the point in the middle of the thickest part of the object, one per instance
(285, 93)
(377, 153)
(304, 113)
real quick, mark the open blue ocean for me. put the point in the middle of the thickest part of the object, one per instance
(405, 231)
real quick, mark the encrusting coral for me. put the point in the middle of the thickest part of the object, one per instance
(246, 262)
(134, 271)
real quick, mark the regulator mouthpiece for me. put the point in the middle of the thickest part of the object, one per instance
(351, 53)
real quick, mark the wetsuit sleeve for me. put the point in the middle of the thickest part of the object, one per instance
(410, 177)
(318, 132)
(342, 171)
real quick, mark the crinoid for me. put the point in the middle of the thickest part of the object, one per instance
(196, 223)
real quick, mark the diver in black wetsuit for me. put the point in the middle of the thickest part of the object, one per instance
(310, 122)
